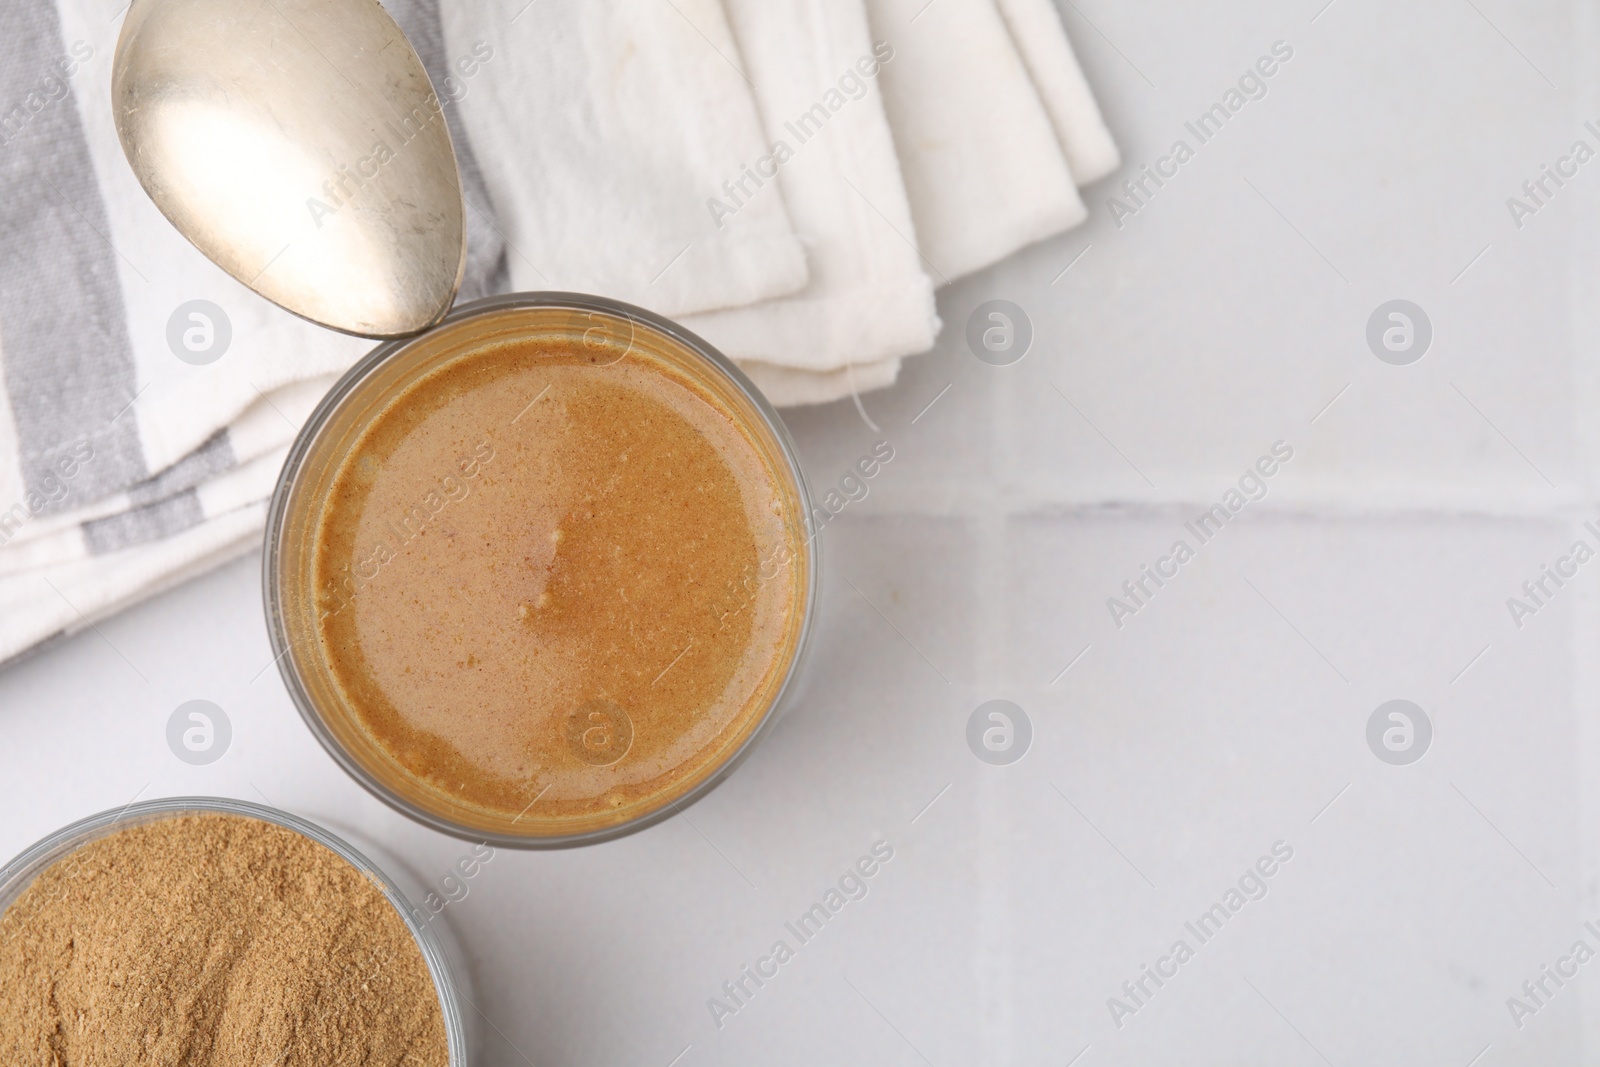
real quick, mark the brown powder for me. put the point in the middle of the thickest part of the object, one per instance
(211, 940)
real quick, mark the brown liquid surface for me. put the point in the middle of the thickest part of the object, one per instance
(557, 591)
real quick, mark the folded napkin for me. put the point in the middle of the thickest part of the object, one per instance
(609, 122)
(790, 178)
(1041, 42)
(66, 598)
(984, 170)
(814, 69)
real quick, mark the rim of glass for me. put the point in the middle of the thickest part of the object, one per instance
(277, 511)
(20, 872)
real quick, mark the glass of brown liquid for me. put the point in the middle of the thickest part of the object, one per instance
(541, 575)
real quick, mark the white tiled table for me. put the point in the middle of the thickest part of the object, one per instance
(1227, 715)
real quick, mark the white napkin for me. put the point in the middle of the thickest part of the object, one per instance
(815, 69)
(793, 46)
(1041, 41)
(601, 132)
(983, 168)
(798, 386)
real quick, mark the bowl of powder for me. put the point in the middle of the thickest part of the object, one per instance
(206, 932)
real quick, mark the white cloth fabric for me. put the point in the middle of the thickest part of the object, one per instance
(626, 147)
(983, 168)
(815, 70)
(602, 130)
(1041, 41)
(241, 486)
(265, 429)
(820, 387)
(68, 597)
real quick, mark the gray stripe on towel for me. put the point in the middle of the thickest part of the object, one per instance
(69, 367)
(203, 464)
(140, 526)
(486, 272)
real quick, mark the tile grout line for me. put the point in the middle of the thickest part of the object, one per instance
(996, 923)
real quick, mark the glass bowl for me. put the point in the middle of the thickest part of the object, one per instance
(439, 949)
(294, 608)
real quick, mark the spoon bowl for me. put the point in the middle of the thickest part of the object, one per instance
(300, 146)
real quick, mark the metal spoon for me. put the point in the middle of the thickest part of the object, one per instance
(300, 146)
